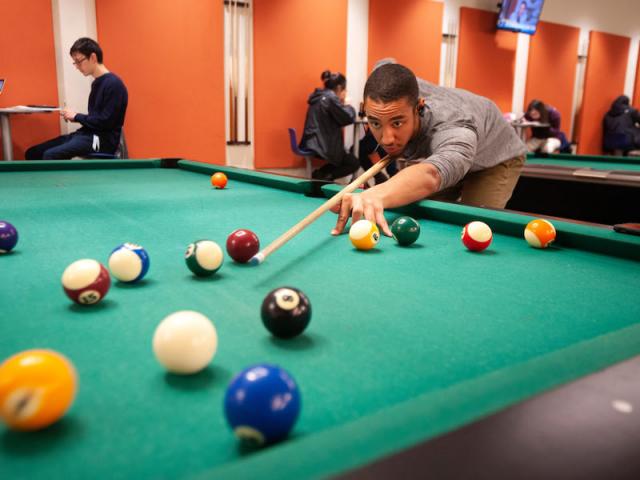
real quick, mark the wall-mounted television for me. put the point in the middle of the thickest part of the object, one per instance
(520, 15)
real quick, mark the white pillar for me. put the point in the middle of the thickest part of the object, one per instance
(581, 70)
(72, 19)
(630, 79)
(357, 53)
(449, 48)
(357, 49)
(239, 154)
(520, 73)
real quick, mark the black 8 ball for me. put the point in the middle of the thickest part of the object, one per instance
(286, 312)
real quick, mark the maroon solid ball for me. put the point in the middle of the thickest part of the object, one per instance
(242, 244)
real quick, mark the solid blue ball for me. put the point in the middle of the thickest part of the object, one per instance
(8, 236)
(262, 404)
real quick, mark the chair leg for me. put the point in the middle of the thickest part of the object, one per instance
(308, 165)
(123, 150)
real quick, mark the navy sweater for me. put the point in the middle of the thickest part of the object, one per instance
(107, 107)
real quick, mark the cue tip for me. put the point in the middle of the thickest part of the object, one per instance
(257, 259)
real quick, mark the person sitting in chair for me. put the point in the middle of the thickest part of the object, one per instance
(102, 126)
(549, 138)
(620, 126)
(326, 115)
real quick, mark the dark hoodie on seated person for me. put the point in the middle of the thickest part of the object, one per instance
(620, 126)
(326, 116)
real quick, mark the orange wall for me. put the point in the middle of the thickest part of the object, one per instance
(551, 74)
(486, 57)
(604, 81)
(171, 57)
(293, 43)
(411, 34)
(27, 62)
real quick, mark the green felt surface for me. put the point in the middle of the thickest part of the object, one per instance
(599, 162)
(404, 343)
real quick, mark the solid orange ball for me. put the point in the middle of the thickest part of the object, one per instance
(37, 387)
(219, 180)
(540, 233)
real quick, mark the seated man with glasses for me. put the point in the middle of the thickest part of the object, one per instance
(102, 126)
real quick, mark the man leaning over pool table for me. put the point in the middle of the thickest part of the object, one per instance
(449, 145)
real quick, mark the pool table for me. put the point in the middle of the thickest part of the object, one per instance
(590, 188)
(405, 343)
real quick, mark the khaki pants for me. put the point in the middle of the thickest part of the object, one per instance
(545, 145)
(491, 187)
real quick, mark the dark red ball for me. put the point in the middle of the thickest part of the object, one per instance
(242, 244)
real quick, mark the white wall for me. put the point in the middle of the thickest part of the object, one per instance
(72, 19)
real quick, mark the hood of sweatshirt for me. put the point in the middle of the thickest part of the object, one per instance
(317, 95)
(619, 106)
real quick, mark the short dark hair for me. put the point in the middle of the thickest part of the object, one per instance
(391, 82)
(86, 46)
(333, 80)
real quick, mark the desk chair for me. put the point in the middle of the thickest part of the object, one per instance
(306, 154)
(120, 153)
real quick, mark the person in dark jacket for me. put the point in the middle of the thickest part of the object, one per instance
(620, 126)
(102, 126)
(370, 152)
(546, 139)
(326, 116)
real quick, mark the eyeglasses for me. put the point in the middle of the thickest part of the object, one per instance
(78, 62)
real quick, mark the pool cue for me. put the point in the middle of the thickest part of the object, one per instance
(247, 40)
(233, 111)
(231, 87)
(236, 76)
(261, 256)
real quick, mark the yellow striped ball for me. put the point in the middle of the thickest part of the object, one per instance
(364, 234)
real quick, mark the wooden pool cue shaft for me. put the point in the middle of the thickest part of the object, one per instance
(261, 256)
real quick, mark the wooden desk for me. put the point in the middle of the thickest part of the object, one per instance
(521, 125)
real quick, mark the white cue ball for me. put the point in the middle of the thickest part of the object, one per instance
(185, 342)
